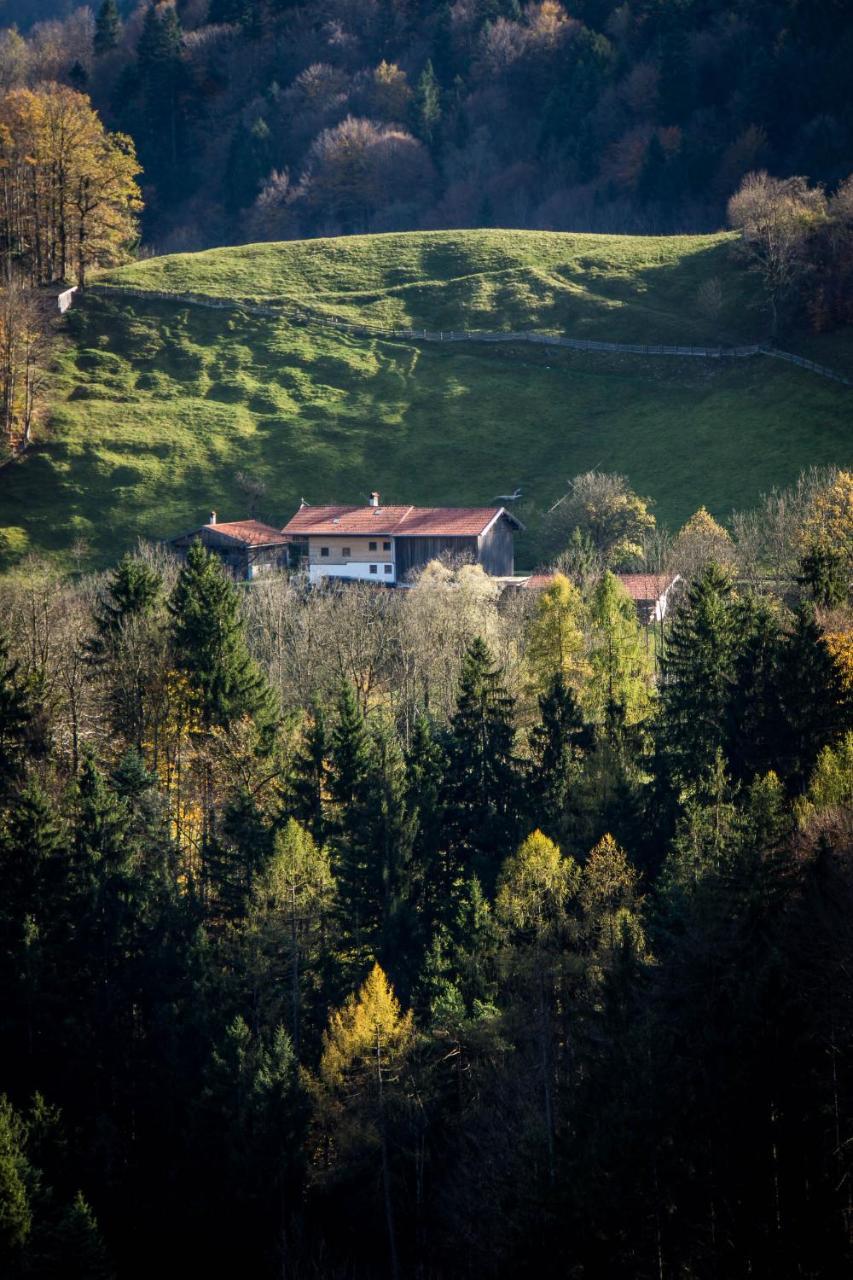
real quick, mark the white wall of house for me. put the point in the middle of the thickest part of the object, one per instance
(354, 571)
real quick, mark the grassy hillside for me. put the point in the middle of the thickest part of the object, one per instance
(605, 287)
(158, 404)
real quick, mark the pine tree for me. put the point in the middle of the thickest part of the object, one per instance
(210, 647)
(425, 764)
(132, 591)
(15, 717)
(309, 779)
(557, 745)
(107, 28)
(428, 103)
(77, 1244)
(16, 1215)
(698, 675)
(814, 709)
(753, 703)
(391, 829)
(354, 864)
(482, 783)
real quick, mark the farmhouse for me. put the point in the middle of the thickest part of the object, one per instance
(651, 592)
(247, 548)
(376, 543)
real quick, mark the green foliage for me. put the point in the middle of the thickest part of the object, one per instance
(107, 28)
(210, 647)
(292, 406)
(619, 656)
(482, 780)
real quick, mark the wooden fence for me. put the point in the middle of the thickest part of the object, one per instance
(297, 316)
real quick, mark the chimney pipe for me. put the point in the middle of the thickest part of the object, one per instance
(374, 499)
(212, 519)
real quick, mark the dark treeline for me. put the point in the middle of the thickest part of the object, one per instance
(429, 932)
(265, 119)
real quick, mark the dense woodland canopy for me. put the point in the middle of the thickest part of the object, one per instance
(435, 932)
(264, 119)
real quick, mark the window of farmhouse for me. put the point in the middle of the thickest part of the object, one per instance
(386, 546)
(373, 568)
(324, 551)
(371, 546)
(345, 551)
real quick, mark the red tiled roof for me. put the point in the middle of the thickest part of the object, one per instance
(443, 522)
(640, 586)
(252, 533)
(646, 586)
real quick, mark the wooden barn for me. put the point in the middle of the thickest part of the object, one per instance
(247, 548)
(388, 544)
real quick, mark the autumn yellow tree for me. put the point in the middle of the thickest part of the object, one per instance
(68, 191)
(365, 1048)
(555, 642)
(829, 523)
(23, 351)
(700, 542)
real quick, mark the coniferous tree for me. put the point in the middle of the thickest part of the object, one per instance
(15, 717)
(107, 28)
(557, 745)
(698, 674)
(814, 708)
(482, 784)
(132, 591)
(425, 763)
(309, 779)
(354, 867)
(210, 647)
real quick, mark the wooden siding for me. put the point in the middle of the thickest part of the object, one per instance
(414, 553)
(496, 551)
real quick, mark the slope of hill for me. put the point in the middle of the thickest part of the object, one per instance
(158, 404)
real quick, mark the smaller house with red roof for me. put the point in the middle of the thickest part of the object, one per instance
(651, 592)
(247, 548)
(377, 543)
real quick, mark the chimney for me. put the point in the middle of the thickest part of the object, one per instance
(374, 499)
(212, 519)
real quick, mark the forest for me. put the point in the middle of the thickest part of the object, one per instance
(439, 932)
(269, 119)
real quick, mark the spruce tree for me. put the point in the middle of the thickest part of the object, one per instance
(210, 648)
(309, 776)
(698, 676)
(107, 28)
(132, 591)
(425, 763)
(814, 708)
(355, 873)
(15, 717)
(482, 784)
(428, 103)
(557, 744)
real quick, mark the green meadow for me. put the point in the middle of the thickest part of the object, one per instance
(157, 405)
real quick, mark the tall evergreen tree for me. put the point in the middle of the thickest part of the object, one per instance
(107, 28)
(210, 647)
(698, 674)
(482, 785)
(15, 717)
(310, 776)
(557, 745)
(814, 708)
